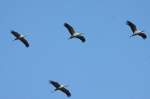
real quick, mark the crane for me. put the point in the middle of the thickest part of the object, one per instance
(20, 37)
(60, 87)
(135, 30)
(73, 33)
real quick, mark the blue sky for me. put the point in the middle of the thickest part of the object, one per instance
(109, 65)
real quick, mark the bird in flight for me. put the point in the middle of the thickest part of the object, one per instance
(20, 37)
(60, 87)
(73, 33)
(135, 30)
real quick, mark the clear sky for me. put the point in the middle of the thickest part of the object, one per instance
(109, 65)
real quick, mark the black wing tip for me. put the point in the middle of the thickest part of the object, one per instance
(144, 36)
(12, 31)
(67, 92)
(27, 46)
(52, 81)
(82, 38)
(83, 41)
(69, 95)
(128, 22)
(66, 24)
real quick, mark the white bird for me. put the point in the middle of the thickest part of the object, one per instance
(20, 37)
(60, 87)
(135, 30)
(73, 33)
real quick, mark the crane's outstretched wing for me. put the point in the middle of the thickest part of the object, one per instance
(54, 83)
(132, 26)
(70, 28)
(143, 35)
(66, 91)
(16, 34)
(24, 41)
(82, 38)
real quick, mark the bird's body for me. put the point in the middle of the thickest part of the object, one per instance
(135, 30)
(73, 33)
(20, 37)
(60, 87)
(76, 34)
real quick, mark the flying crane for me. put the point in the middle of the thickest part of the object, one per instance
(135, 30)
(60, 87)
(20, 37)
(73, 33)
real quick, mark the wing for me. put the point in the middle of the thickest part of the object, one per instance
(132, 26)
(70, 28)
(24, 41)
(54, 83)
(143, 35)
(82, 38)
(64, 90)
(16, 34)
